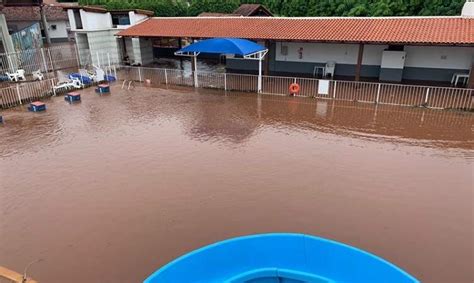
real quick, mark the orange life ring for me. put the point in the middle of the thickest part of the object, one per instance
(294, 88)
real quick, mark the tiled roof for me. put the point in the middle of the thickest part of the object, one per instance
(208, 14)
(53, 13)
(402, 30)
(248, 10)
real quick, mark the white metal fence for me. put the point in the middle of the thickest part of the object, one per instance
(43, 59)
(381, 93)
(25, 92)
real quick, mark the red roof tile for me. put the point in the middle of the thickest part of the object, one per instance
(402, 30)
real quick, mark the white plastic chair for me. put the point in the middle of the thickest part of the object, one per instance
(21, 75)
(329, 69)
(99, 74)
(37, 75)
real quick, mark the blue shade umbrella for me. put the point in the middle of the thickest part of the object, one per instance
(237, 46)
(279, 258)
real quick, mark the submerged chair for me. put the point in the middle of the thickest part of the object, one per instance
(266, 258)
(67, 85)
(37, 75)
(19, 75)
(330, 69)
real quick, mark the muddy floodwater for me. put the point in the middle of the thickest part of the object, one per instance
(112, 188)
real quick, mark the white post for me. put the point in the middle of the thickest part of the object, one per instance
(12, 68)
(115, 72)
(427, 95)
(378, 94)
(98, 59)
(108, 60)
(225, 81)
(44, 61)
(52, 86)
(196, 84)
(77, 56)
(166, 77)
(18, 93)
(51, 60)
(334, 91)
(259, 87)
(139, 74)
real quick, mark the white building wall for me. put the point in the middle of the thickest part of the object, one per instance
(102, 43)
(439, 57)
(60, 31)
(72, 21)
(146, 51)
(136, 18)
(95, 21)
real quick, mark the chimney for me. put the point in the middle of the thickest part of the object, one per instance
(468, 9)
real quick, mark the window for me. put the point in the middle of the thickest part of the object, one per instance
(284, 50)
(77, 19)
(120, 19)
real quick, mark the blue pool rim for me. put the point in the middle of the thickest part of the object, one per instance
(295, 272)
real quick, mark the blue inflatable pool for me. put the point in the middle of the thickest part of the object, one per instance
(279, 258)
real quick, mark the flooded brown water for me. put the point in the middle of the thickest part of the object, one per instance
(110, 189)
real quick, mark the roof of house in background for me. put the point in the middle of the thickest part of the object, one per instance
(32, 13)
(392, 30)
(249, 10)
(245, 10)
(102, 9)
(207, 14)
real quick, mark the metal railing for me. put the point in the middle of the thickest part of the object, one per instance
(368, 92)
(26, 92)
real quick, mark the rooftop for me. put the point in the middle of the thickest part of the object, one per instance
(386, 30)
(32, 13)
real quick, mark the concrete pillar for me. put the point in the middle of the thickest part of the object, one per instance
(266, 68)
(470, 84)
(6, 38)
(359, 62)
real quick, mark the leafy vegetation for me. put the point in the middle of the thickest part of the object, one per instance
(293, 8)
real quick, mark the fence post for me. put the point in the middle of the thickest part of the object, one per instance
(52, 87)
(139, 74)
(98, 59)
(427, 96)
(44, 60)
(334, 91)
(378, 94)
(51, 60)
(10, 62)
(76, 50)
(18, 93)
(225, 82)
(166, 77)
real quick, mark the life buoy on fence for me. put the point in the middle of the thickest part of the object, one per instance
(294, 88)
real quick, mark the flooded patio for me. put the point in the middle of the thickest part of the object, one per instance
(112, 188)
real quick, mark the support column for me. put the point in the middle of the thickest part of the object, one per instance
(470, 84)
(266, 70)
(180, 46)
(196, 84)
(359, 62)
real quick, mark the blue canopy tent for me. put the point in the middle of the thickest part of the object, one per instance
(236, 46)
